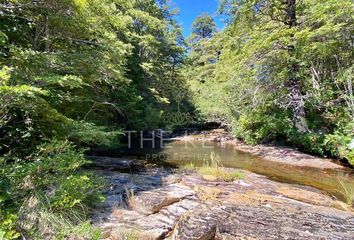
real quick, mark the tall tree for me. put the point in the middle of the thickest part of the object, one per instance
(205, 50)
(284, 63)
(73, 73)
(203, 27)
(294, 84)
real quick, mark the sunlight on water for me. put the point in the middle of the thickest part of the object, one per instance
(328, 180)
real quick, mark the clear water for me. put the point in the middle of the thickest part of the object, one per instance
(328, 180)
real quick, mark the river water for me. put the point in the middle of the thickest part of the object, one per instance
(335, 182)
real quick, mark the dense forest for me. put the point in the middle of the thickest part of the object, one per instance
(75, 74)
(280, 71)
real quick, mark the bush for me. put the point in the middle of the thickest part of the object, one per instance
(7, 224)
(308, 142)
(258, 125)
(76, 191)
(341, 143)
(47, 183)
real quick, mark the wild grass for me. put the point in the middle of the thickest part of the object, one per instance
(221, 173)
(187, 167)
(347, 191)
(37, 214)
(212, 169)
(122, 233)
(130, 198)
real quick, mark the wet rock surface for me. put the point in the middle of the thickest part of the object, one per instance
(116, 164)
(166, 204)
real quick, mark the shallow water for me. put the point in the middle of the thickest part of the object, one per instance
(328, 180)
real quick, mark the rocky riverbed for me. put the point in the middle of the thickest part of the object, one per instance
(164, 203)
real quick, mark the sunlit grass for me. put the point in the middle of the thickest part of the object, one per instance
(131, 199)
(212, 169)
(187, 167)
(347, 191)
(37, 213)
(220, 173)
(122, 233)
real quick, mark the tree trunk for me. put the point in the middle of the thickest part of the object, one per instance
(37, 36)
(47, 35)
(296, 99)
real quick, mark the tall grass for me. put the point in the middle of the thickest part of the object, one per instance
(49, 195)
(347, 191)
(37, 214)
(122, 233)
(187, 167)
(213, 169)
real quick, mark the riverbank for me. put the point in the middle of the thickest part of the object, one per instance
(164, 203)
(279, 154)
(153, 201)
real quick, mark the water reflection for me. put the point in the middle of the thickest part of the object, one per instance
(328, 180)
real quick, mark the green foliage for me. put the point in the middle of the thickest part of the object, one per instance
(82, 231)
(187, 167)
(3, 39)
(50, 181)
(309, 142)
(7, 224)
(271, 77)
(341, 143)
(84, 70)
(76, 191)
(262, 125)
(347, 191)
(200, 70)
(203, 27)
(41, 221)
(91, 134)
(75, 73)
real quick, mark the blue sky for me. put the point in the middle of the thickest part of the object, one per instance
(190, 9)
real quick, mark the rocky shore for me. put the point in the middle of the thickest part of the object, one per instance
(280, 154)
(160, 203)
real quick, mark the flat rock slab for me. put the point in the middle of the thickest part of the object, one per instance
(199, 224)
(150, 202)
(255, 188)
(184, 206)
(247, 222)
(156, 226)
